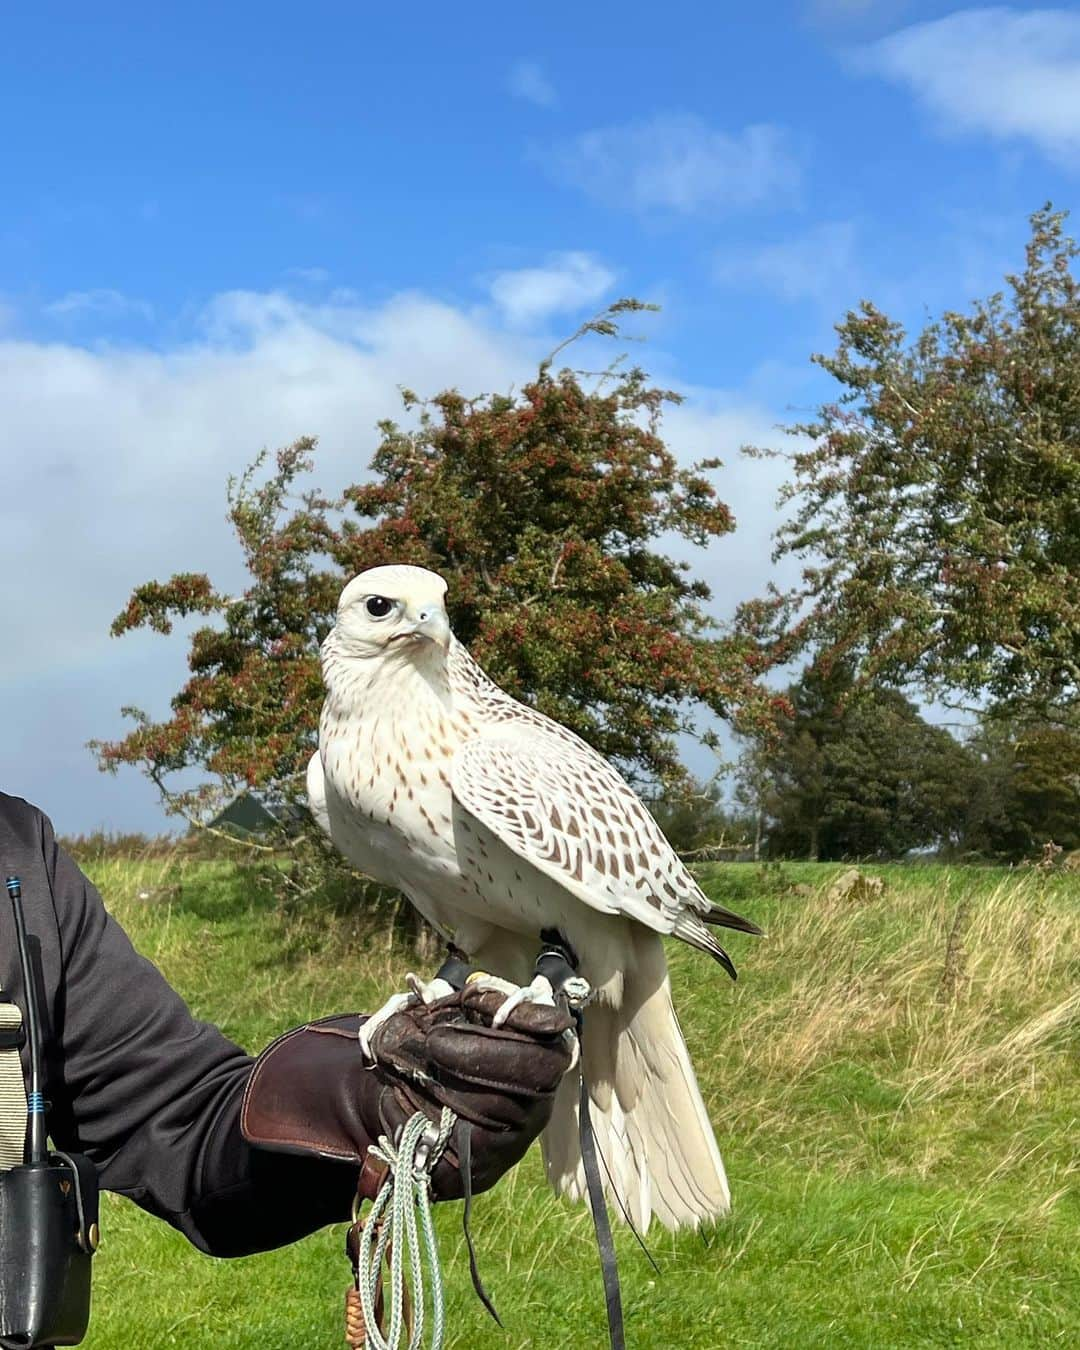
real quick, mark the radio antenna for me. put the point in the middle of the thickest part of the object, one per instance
(36, 1150)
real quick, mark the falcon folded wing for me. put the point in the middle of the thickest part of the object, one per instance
(557, 804)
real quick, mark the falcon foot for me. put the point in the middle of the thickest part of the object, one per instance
(418, 991)
(556, 976)
(458, 971)
(430, 991)
(540, 991)
(558, 964)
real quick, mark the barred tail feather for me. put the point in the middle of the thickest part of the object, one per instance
(654, 1137)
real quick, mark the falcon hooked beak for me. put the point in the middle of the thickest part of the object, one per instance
(429, 621)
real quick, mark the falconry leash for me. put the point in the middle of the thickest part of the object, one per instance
(399, 1226)
(397, 1177)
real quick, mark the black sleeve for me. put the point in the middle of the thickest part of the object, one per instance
(153, 1096)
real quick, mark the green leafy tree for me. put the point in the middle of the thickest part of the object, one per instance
(1026, 793)
(752, 786)
(696, 820)
(861, 774)
(937, 505)
(544, 510)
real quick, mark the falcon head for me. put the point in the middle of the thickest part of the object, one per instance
(388, 610)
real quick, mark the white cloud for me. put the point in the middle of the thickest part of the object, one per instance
(677, 162)
(1013, 74)
(568, 281)
(713, 422)
(97, 304)
(526, 80)
(114, 464)
(814, 266)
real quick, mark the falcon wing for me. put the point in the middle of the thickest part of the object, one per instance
(564, 809)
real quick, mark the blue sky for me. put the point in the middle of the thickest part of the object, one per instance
(225, 226)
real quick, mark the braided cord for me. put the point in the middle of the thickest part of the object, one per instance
(392, 1224)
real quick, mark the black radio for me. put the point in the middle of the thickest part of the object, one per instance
(48, 1207)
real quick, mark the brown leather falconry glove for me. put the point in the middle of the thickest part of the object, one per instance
(313, 1093)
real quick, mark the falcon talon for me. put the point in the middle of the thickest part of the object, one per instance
(366, 1034)
(540, 991)
(431, 991)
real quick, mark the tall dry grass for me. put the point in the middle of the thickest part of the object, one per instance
(923, 1014)
(932, 972)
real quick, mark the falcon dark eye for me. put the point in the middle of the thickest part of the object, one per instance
(378, 606)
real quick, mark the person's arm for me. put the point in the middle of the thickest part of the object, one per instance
(153, 1096)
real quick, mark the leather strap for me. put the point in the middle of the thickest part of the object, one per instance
(601, 1223)
(85, 1178)
(372, 1175)
(465, 1164)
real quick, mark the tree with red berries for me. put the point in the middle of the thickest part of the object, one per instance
(544, 510)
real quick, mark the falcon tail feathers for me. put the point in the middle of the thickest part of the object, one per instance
(652, 1131)
(691, 929)
(726, 918)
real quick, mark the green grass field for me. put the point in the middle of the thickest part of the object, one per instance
(898, 1111)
